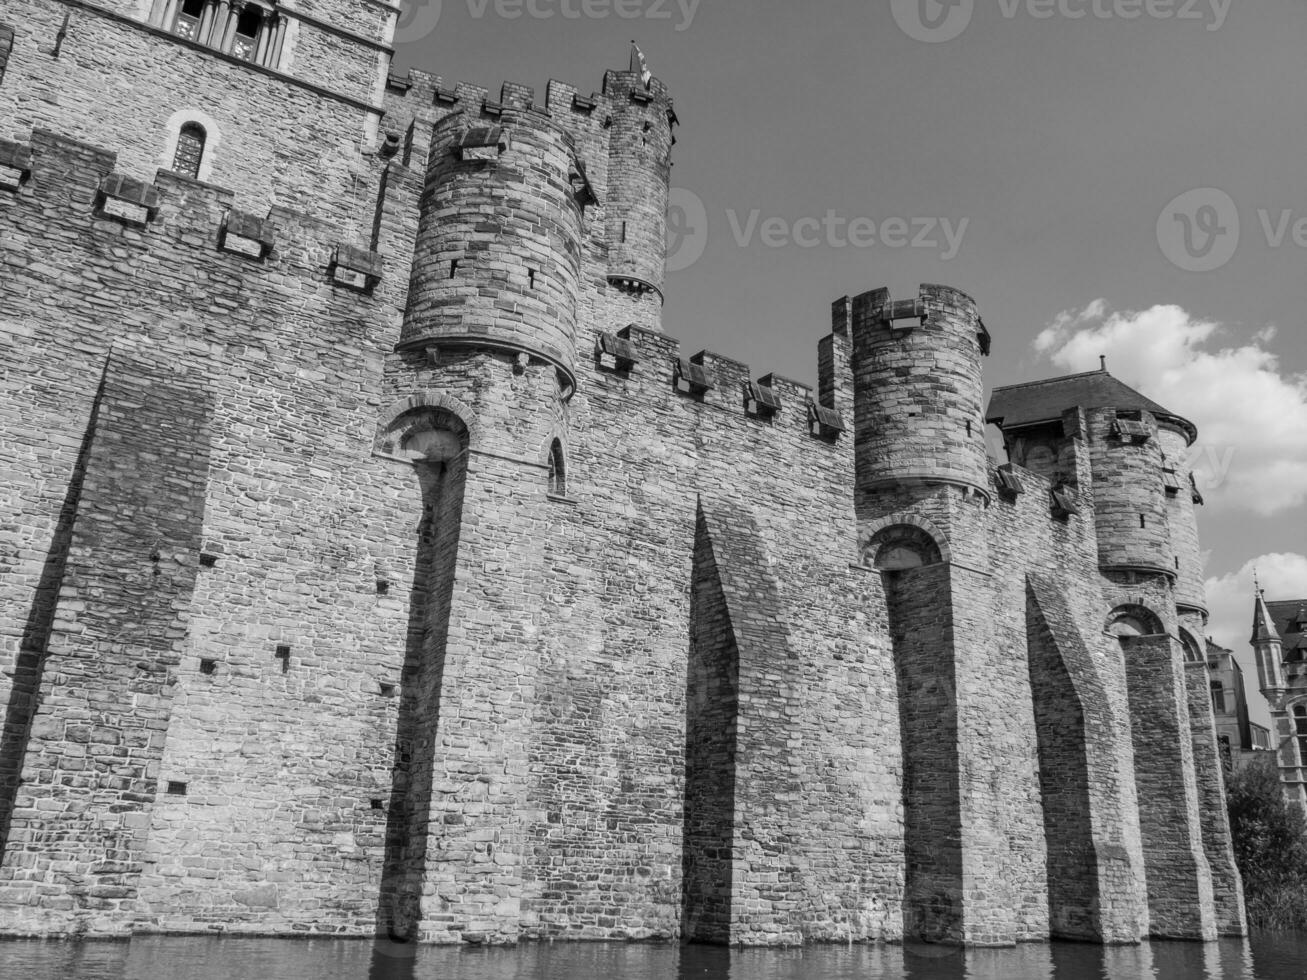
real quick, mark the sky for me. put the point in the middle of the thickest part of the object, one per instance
(1105, 177)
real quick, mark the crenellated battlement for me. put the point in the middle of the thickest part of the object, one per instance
(70, 173)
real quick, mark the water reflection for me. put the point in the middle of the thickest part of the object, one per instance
(203, 958)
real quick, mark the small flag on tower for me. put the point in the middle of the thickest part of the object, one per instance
(639, 64)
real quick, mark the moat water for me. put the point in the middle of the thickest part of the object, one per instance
(159, 958)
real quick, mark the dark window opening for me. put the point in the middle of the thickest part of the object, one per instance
(387, 690)
(557, 470)
(187, 22)
(190, 150)
(377, 804)
(208, 666)
(623, 231)
(968, 430)
(531, 278)
(1143, 521)
(207, 560)
(283, 654)
(1218, 696)
(383, 587)
(246, 41)
(176, 788)
(453, 268)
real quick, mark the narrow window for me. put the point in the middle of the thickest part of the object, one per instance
(453, 268)
(968, 430)
(1218, 696)
(190, 150)
(283, 654)
(531, 278)
(1143, 521)
(557, 477)
(623, 231)
(187, 22)
(1300, 722)
(246, 41)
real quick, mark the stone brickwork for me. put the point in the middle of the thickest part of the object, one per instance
(377, 563)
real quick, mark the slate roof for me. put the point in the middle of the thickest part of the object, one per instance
(1288, 616)
(1015, 406)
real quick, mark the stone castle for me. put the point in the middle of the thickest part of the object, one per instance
(373, 561)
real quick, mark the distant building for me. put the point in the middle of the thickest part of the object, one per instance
(1240, 738)
(1280, 644)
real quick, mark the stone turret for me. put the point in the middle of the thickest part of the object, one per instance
(498, 251)
(640, 143)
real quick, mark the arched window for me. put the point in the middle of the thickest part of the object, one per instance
(901, 547)
(190, 150)
(1192, 652)
(557, 470)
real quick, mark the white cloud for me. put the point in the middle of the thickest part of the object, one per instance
(1251, 417)
(1230, 601)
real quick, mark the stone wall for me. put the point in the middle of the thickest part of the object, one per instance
(119, 84)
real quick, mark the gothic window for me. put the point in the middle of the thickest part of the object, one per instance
(557, 471)
(190, 150)
(187, 22)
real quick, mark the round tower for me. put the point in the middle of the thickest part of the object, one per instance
(639, 172)
(1182, 499)
(1130, 502)
(918, 384)
(497, 258)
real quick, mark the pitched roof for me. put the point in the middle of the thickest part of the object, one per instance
(1290, 619)
(1020, 405)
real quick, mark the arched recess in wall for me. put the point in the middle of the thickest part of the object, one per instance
(903, 543)
(1133, 620)
(1193, 649)
(180, 133)
(427, 411)
(433, 439)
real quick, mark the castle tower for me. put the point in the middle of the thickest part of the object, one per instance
(497, 259)
(922, 496)
(1152, 601)
(639, 171)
